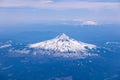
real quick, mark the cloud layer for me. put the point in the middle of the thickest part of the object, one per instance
(49, 4)
(19, 11)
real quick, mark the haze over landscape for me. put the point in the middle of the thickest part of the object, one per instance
(59, 40)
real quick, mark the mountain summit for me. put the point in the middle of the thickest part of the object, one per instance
(63, 45)
(63, 37)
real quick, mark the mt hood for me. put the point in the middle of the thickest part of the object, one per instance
(63, 46)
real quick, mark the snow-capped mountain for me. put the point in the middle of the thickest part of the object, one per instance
(64, 46)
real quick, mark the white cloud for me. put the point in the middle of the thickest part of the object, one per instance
(49, 4)
(78, 21)
(89, 23)
(5, 46)
(24, 51)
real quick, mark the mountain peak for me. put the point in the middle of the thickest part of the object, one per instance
(63, 37)
(62, 45)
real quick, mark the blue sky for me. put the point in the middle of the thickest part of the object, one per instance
(37, 11)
